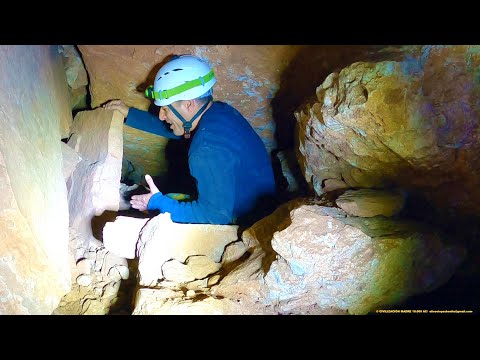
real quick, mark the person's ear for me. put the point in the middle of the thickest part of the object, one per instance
(190, 105)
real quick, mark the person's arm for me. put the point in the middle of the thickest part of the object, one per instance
(213, 168)
(141, 120)
(145, 121)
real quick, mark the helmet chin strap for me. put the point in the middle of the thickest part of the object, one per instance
(187, 125)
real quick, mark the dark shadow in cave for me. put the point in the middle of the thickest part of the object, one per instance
(87, 105)
(125, 303)
(178, 178)
(98, 223)
(462, 290)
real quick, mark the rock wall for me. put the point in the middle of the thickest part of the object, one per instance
(94, 184)
(302, 259)
(266, 83)
(34, 117)
(411, 123)
(248, 75)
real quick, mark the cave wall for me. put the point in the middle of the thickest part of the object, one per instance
(266, 83)
(410, 123)
(35, 115)
(248, 78)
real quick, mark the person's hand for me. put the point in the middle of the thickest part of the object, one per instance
(117, 105)
(140, 202)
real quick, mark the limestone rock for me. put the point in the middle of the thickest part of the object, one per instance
(162, 240)
(334, 261)
(121, 236)
(175, 271)
(409, 123)
(35, 115)
(77, 77)
(70, 159)
(322, 261)
(369, 202)
(84, 266)
(157, 302)
(84, 280)
(333, 184)
(97, 138)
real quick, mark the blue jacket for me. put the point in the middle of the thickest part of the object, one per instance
(227, 158)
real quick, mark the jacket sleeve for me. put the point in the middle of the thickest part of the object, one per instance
(214, 170)
(145, 121)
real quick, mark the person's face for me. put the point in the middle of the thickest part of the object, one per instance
(167, 115)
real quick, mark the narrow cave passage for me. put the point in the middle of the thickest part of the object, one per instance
(374, 151)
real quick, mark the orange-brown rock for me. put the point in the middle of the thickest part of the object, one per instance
(411, 123)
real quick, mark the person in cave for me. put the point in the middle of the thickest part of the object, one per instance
(226, 157)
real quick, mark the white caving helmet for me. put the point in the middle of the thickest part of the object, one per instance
(185, 77)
